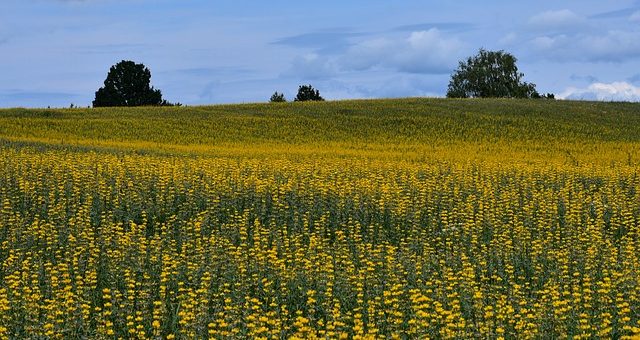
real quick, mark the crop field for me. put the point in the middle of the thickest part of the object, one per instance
(408, 218)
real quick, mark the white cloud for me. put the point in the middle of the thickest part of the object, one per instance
(420, 52)
(311, 66)
(548, 43)
(368, 54)
(509, 39)
(635, 17)
(612, 46)
(384, 84)
(616, 91)
(561, 19)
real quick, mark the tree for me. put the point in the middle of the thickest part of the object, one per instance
(278, 98)
(308, 93)
(166, 103)
(490, 74)
(128, 84)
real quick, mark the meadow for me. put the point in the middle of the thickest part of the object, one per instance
(404, 218)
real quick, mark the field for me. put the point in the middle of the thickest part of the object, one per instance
(408, 218)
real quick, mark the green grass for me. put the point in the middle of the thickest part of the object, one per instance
(373, 121)
(416, 128)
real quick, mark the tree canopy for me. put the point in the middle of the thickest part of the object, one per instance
(308, 93)
(278, 98)
(490, 74)
(128, 84)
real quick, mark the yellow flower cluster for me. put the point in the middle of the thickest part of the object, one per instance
(118, 245)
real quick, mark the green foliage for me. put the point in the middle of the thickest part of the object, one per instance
(128, 84)
(278, 98)
(166, 103)
(490, 74)
(415, 127)
(308, 93)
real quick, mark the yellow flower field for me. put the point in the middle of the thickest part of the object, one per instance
(441, 230)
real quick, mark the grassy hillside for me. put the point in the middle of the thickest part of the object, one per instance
(381, 219)
(410, 128)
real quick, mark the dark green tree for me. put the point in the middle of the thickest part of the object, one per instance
(490, 74)
(278, 98)
(128, 84)
(166, 103)
(308, 93)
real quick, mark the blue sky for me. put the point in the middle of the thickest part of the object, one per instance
(58, 52)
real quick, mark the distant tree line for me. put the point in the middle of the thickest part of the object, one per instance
(488, 74)
(305, 93)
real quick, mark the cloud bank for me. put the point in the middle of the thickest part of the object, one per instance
(554, 20)
(428, 52)
(616, 91)
(612, 46)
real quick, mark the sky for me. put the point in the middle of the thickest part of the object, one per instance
(58, 52)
